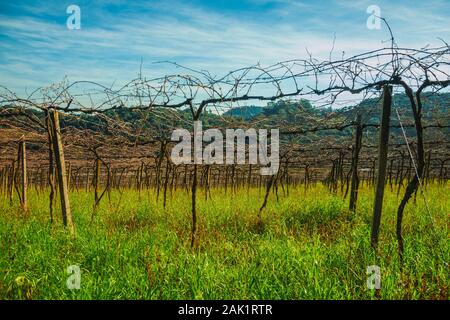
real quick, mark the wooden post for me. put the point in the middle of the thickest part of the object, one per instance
(24, 177)
(355, 158)
(6, 179)
(194, 207)
(97, 181)
(69, 176)
(11, 183)
(249, 177)
(61, 171)
(382, 162)
(87, 179)
(51, 165)
(166, 180)
(2, 180)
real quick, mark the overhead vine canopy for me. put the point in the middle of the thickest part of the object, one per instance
(314, 104)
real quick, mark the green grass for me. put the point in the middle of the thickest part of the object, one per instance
(310, 247)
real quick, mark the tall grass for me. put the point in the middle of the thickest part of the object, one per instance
(310, 247)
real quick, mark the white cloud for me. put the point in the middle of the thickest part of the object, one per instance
(193, 37)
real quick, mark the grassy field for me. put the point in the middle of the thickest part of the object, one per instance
(310, 247)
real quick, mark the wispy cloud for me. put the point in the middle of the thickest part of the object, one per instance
(38, 49)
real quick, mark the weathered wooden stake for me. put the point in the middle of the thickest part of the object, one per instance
(51, 165)
(97, 173)
(194, 207)
(24, 177)
(61, 171)
(355, 158)
(382, 163)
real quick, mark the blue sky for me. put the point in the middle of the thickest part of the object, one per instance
(37, 48)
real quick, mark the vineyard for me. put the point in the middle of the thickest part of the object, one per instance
(87, 179)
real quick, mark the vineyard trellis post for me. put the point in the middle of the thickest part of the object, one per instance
(355, 178)
(61, 171)
(382, 163)
(97, 177)
(51, 165)
(11, 182)
(24, 181)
